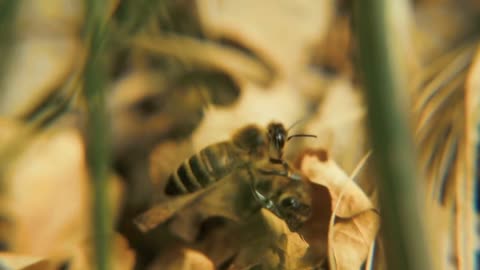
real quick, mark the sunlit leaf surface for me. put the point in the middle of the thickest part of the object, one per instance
(180, 76)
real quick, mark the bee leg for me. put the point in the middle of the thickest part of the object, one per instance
(287, 173)
(259, 197)
(266, 203)
(273, 172)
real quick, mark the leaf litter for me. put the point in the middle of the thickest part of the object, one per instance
(291, 65)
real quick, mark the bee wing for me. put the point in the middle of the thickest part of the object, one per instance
(163, 211)
(221, 198)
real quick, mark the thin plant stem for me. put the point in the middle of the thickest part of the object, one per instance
(8, 12)
(401, 208)
(97, 132)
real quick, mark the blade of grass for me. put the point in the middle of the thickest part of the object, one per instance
(97, 129)
(132, 15)
(467, 235)
(403, 230)
(8, 12)
(205, 53)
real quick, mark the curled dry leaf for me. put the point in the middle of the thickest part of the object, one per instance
(46, 52)
(446, 104)
(343, 134)
(150, 107)
(163, 211)
(183, 259)
(229, 198)
(269, 244)
(12, 261)
(255, 105)
(304, 22)
(46, 63)
(166, 158)
(438, 26)
(123, 258)
(58, 17)
(213, 219)
(49, 198)
(207, 54)
(335, 51)
(356, 223)
(130, 126)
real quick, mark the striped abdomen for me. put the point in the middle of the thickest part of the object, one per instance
(205, 168)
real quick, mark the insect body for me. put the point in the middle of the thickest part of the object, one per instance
(218, 160)
(248, 148)
(289, 200)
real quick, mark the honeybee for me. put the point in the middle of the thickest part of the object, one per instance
(288, 200)
(251, 147)
(257, 150)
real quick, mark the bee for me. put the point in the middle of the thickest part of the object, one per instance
(251, 147)
(256, 150)
(288, 200)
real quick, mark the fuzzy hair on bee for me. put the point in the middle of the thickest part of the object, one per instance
(289, 200)
(216, 161)
(249, 148)
(258, 150)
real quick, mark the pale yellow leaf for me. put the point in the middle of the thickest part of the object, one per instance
(12, 261)
(282, 38)
(356, 221)
(49, 196)
(183, 259)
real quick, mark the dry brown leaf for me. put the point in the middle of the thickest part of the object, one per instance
(123, 258)
(229, 198)
(207, 54)
(12, 261)
(438, 26)
(329, 174)
(343, 134)
(467, 216)
(282, 38)
(233, 192)
(46, 63)
(129, 126)
(271, 246)
(163, 211)
(356, 222)
(280, 103)
(39, 183)
(166, 158)
(46, 51)
(58, 17)
(335, 52)
(49, 198)
(231, 201)
(446, 106)
(9, 129)
(184, 259)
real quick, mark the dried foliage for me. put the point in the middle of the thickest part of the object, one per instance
(180, 76)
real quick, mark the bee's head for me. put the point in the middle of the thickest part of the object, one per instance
(295, 212)
(277, 136)
(294, 204)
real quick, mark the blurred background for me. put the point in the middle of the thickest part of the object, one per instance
(100, 101)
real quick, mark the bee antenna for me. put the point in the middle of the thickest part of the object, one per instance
(301, 135)
(296, 123)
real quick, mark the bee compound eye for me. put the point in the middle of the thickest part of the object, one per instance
(290, 202)
(280, 140)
